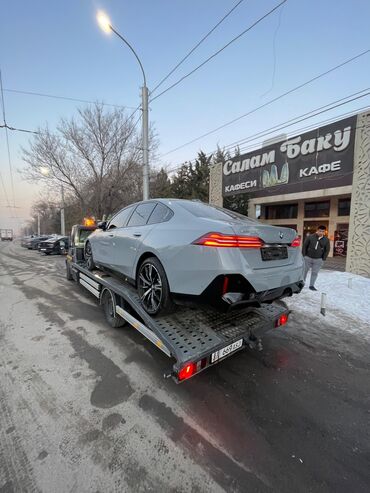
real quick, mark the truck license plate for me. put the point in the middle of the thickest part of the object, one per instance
(225, 351)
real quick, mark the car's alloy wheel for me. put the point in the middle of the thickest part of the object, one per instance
(150, 287)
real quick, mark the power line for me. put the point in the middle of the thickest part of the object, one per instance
(18, 129)
(289, 123)
(299, 131)
(218, 51)
(305, 116)
(66, 98)
(306, 128)
(7, 139)
(274, 53)
(197, 45)
(314, 126)
(264, 105)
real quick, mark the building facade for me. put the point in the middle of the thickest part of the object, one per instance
(321, 177)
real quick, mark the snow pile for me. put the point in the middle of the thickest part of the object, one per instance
(347, 301)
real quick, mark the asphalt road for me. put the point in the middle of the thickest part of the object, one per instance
(84, 407)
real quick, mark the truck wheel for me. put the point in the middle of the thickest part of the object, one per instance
(153, 289)
(108, 303)
(68, 272)
(89, 257)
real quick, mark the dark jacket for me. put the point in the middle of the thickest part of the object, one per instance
(315, 247)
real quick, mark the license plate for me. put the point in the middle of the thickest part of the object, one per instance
(43, 249)
(274, 253)
(225, 351)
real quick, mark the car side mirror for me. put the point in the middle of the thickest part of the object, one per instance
(102, 225)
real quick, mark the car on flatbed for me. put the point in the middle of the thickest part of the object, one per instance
(181, 251)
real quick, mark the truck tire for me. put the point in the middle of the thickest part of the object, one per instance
(108, 304)
(153, 288)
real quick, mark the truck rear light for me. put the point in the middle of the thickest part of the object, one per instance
(282, 320)
(296, 242)
(229, 241)
(187, 371)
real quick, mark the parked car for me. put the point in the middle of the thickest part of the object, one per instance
(58, 245)
(25, 240)
(175, 250)
(32, 243)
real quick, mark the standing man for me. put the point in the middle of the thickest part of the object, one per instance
(316, 248)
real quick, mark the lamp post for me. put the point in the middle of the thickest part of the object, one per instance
(106, 26)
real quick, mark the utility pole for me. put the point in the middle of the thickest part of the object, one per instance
(38, 224)
(62, 219)
(106, 26)
(145, 143)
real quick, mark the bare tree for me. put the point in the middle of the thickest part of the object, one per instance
(96, 157)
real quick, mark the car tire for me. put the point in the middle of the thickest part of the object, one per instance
(90, 264)
(150, 274)
(107, 302)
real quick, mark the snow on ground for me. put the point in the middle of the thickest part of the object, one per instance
(347, 308)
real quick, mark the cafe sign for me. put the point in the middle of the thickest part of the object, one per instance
(320, 158)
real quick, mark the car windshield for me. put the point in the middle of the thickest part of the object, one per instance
(199, 209)
(84, 234)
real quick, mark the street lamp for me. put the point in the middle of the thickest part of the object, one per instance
(106, 26)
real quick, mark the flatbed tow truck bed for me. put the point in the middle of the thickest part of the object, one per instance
(194, 338)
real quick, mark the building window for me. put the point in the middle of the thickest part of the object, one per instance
(317, 209)
(344, 206)
(281, 211)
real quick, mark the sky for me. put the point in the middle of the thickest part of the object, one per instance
(56, 47)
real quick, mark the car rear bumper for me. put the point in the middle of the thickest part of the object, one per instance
(281, 292)
(238, 293)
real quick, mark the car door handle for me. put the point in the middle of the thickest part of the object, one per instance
(111, 234)
(137, 235)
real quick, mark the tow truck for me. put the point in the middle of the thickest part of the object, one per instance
(194, 338)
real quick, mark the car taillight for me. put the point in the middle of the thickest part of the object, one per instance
(187, 371)
(296, 242)
(282, 320)
(229, 241)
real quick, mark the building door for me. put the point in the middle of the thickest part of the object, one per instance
(341, 240)
(310, 227)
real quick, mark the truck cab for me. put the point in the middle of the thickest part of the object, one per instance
(79, 234)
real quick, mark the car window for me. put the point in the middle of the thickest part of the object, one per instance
(141, 214)
(120, 219)
(84, 234)
(160, 214)
(199, 209)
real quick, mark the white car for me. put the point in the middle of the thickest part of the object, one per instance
(176, 250)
